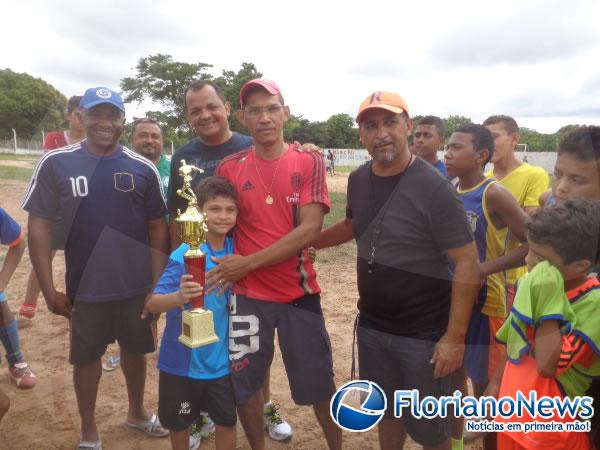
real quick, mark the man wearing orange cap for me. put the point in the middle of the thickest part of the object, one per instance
(408, 223)
(282, 201)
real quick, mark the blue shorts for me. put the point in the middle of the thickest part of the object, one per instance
(483, 353)
(403, 363)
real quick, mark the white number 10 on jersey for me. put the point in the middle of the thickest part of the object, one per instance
(79, 186)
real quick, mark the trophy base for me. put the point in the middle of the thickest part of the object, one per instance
(197, 328)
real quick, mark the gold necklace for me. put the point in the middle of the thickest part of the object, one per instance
(268, 199)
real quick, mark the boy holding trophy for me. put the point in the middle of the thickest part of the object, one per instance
(197, 378)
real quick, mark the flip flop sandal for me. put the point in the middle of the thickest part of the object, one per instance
(89, 445)
(151, 427)
(111, 363)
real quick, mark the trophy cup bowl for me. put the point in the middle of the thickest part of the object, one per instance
(197, 325)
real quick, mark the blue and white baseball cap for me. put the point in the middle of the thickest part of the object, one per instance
(98, 95)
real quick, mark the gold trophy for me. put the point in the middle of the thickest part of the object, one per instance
(197, 325)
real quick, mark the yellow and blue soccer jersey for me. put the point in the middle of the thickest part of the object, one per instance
(526, 183)
(490, 245)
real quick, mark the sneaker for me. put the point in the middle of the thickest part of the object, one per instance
(21, 375)
(195, 438)
(206, 427)
(111, 362)
(278, 429)
(25, 314)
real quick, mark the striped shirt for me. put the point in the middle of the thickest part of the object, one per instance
(106, 203)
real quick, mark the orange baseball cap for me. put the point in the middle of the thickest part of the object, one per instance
(268, 85)
(389, 101)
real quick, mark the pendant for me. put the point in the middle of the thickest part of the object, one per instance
(269, 199)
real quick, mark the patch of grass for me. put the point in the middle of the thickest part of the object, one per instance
(12, 157)
(338, 209)
(345, 169)
(15, 173)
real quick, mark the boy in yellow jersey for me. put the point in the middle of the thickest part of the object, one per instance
(490, 208)
(525, 182)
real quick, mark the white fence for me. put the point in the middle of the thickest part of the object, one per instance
(22, 151)
(354, 158)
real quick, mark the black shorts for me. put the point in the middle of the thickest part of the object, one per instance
(403, 363)
(180, 400)
(303, 340)
(94, 325)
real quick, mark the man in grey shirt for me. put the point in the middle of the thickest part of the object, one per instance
(409, 226)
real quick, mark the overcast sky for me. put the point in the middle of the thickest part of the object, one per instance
(538, 61)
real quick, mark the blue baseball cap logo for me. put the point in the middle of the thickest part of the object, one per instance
(98, 95)
(372, 407)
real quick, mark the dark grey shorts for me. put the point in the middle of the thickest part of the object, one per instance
(303, 341)
(403, 363)
(95, 325)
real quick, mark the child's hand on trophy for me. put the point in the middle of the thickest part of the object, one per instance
(188, 289)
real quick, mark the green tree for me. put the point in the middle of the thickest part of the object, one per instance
(29, 105)
(303, 130)
(536, 141)
(341, 132)
(451, 123)
(164, 81)
(231, 83)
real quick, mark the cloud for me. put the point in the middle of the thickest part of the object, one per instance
(539, 104)
(530, 34)
(591, 87)
(382, 67)
(465, 57)
(116, 28)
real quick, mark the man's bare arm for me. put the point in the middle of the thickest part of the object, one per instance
(449, 351)
(40, 253)
(337, 234)
(502, 204)
(158, 235)
(174, 237)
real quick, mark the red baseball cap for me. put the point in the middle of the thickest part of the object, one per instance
(389, 101)
(268, 85)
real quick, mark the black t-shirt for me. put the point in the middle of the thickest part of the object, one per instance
(406, 288)
(205, 157)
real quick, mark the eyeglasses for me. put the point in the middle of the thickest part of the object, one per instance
(256, 111)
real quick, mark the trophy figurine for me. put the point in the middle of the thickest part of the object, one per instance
(197, 326)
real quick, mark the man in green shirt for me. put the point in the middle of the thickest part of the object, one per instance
(147, 140)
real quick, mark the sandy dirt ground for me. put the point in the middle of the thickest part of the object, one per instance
(25, 164)
(46, 417)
